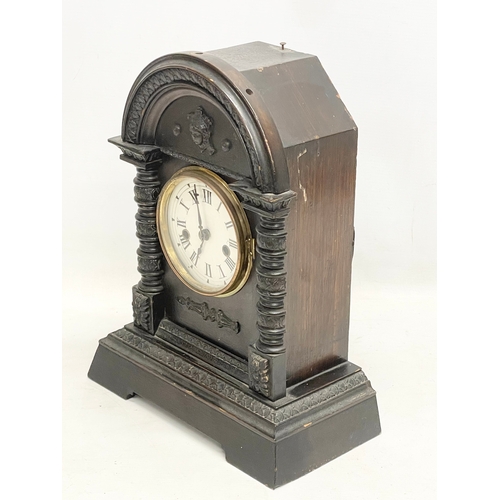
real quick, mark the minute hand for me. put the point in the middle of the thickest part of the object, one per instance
(200, 224)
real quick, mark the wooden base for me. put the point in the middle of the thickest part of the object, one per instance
(274, 442)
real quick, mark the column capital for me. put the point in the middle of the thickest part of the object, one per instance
(145, 153)
(270, 205)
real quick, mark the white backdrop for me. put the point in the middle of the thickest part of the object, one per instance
(381, 58)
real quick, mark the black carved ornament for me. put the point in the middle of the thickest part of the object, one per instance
(201, 130)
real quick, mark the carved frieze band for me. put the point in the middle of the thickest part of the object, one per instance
(216, 168)
(203, 349)
(231, 393)
(209, 313)
(169, 76)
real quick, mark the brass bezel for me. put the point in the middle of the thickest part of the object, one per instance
(238, 217)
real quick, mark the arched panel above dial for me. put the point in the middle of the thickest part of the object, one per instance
(195, 126)
(191, 74)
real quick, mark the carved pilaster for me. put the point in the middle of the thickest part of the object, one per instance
(148, 297)
(259, 373)
(267, 367)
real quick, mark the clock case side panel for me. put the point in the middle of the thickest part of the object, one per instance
(319, 137)
(320, 243)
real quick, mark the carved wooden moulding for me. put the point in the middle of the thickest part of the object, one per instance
(246, 162)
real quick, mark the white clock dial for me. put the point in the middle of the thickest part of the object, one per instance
(204, 232)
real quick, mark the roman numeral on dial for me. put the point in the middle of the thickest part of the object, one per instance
(221, 272)
(207, 196)
(208, 270)
(230, 263)
(185, 242)
(233, 244)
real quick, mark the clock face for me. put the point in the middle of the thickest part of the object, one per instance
(204, 232)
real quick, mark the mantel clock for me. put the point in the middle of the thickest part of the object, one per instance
(246, 162)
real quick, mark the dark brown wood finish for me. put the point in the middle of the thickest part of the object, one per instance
(319, 138)
(320, 246)
(274, 442)
(264, 371)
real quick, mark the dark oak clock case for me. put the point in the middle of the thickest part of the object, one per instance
(265, 371)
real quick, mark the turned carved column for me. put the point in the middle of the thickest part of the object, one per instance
(267, 357)
(148, 296)
(271, 283)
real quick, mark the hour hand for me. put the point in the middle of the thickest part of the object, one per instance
(199, 252)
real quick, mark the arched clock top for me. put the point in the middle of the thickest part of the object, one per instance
(214, 93)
